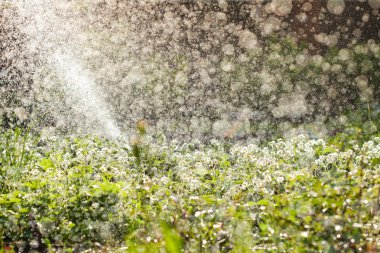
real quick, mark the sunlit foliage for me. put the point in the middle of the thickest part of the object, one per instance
(296, 195)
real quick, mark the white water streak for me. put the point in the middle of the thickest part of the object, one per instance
(82, 89)
(48, 31)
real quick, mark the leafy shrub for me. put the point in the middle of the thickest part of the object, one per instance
(87, 192)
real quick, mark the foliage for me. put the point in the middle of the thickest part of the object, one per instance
(88, 192)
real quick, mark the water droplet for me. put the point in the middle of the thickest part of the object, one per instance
(336, 6)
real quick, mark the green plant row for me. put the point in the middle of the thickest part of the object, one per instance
(298, 195)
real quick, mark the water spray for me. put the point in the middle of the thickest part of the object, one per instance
(82, 88)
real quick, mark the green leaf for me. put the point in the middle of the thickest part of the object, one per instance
(263, 202)
(173, 241)
(14, 200)
(46, 164)
(263, 227)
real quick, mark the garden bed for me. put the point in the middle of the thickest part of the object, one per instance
(78, 193)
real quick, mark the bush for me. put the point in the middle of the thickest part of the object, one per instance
(88, 192)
